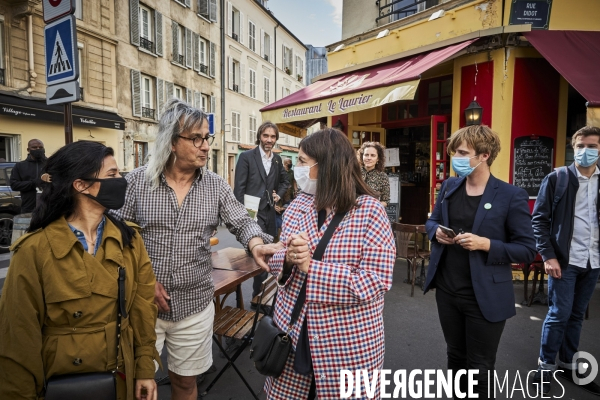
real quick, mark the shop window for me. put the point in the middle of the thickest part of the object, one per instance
(403, 109)
(439, 97)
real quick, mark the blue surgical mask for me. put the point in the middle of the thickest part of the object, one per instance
(586, 157)
(462, 165)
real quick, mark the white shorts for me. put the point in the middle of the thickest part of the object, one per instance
(189, 342)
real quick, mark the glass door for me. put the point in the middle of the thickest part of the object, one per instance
(440, 160)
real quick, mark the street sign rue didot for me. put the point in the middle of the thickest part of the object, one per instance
(54, 9)
(60, 48)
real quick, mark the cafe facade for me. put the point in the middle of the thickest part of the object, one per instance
(527, 69)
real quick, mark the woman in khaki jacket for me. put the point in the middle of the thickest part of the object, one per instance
(58, 310)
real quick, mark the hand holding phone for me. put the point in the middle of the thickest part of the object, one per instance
(448, 231)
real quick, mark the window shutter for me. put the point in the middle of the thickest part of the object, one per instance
(230, 63)
(134, 21)
(160, 96)
(158, 33)
(213, 60)
(188, 3)
(243, 79)
(136, 95)
(170, 90)
(188, 48)
(213, 105)
(203, 8)
(213, 10)
(196, 99)
(291, 60)
(239, 135)
(175, 29)
(262, 44)
(188, 96)
(229, 20)
(241, 28)
(271, 59)
(196, 51)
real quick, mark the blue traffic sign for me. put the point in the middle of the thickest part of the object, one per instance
(211, 123)
(60, 46)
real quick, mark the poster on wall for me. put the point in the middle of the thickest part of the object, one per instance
(533, 160)
(392, 157)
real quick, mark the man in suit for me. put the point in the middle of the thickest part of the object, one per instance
(260, 172)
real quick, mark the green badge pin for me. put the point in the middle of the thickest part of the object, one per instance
(487, 206)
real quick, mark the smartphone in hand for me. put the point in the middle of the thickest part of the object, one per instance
(447, 231)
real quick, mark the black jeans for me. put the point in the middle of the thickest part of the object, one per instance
(471, 340)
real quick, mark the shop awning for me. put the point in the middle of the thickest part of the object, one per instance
(20, 107)
(359, 90)
(575, 55)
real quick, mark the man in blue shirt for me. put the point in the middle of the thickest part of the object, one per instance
(567, 236)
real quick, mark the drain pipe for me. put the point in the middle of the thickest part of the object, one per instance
(224, 145)
(275, 56)
(32, 74)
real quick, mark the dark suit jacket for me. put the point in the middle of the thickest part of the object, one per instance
(507, 223)
(251, 177)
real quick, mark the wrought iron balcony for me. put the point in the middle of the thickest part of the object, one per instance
(235, 37)
(203, 69)
(146, 44)
(2, 79)
(81, 94)
(398, 9)
(236, 88)
(148, 112)
(180, 59)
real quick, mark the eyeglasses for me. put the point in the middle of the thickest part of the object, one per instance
(199, 141)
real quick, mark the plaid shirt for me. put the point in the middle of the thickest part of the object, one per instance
(178, 239)
(344, 296)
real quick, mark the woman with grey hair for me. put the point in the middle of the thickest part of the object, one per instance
(178, 203)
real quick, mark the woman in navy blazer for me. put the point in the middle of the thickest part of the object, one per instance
(471, 271)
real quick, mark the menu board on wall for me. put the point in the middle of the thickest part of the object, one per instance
(533, 160)
(392, 212)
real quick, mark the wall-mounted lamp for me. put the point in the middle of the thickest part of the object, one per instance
(473, 113)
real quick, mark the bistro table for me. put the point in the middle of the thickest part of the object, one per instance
(231, 267)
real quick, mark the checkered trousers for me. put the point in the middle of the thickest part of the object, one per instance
(344, 296)
(178, 238)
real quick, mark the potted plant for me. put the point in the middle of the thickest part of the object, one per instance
(299, 78)
(287, 71)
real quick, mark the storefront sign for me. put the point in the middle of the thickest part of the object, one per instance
(534, 12)
(344, 104)
(533, 160)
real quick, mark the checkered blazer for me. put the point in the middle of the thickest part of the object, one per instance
(344, 296)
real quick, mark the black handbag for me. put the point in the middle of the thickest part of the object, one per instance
(271, 346)
(91, 385)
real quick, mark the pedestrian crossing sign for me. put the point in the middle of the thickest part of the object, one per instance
(60, 39)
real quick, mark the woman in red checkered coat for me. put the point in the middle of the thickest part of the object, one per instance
(340, 326)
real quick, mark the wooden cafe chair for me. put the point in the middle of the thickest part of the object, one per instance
(408, 249)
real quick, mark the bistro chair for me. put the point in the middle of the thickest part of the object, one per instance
(266, 301)
(408, 249)
(236, 323)
(424, 253)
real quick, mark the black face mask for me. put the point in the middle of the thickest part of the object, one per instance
(37, 154)
(111, 194)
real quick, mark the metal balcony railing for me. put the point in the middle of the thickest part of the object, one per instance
(403, 9)
(2, 79)
(81, 98)
(266, 57)
(236, 88)
(204, 69)
(148, 112)
(235, 37)
(180, 59)
(146, 44)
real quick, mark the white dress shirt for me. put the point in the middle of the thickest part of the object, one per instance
(584, 244)
(266, 160)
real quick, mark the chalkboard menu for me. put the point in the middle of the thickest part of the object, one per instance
(392, 212)
(533, 160)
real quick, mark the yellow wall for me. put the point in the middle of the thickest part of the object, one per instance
(581, 15)
(53, 135)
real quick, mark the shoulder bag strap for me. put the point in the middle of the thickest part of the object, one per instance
(121, 309)
(317, 255)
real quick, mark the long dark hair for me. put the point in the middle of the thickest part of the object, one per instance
(339, 180)
(79, 160)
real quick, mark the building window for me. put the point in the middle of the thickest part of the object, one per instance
(202, 51)
(78, 9)
(235, 75)
(2, 65)
(208, 9)
(266, 89)
(146, 29)
(79, 79)
(235, 21)
(147, 97)
(266, 47)
(205, 106)
(236, 128)
(252, 129)
(140, 153)
(285, 92)
(178, 92)
(288, 60)
(182, 45)
(253, 84)
(439, 97)
(299, 69)
(251, 36)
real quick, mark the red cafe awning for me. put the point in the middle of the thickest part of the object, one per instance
(575, 55)
(359, 90)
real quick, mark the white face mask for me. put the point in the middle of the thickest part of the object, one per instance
(306, 184)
